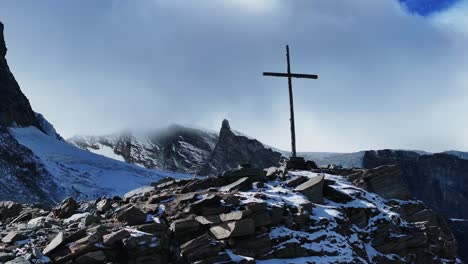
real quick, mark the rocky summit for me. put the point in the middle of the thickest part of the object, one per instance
(246, 215)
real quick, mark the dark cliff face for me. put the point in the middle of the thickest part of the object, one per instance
(439, 180)
(234, 148)
(14, 106)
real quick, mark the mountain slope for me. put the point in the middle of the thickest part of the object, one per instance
(175, 148)
(183, 149)
(79, 173)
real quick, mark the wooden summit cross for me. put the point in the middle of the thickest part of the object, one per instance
(290, 75)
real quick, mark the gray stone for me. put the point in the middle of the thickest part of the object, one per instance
(233, 229)
(233, 216)
(66, 208)
(12, 237)
(208, 219)
(55, 243)
(104, 205)
(112, 238)
(386, 182)
(296, 181)
(200, 248)
(130, 215)
(92, 258)
(4, 257)
(312, 189)
(183, 227)
(18, 260)
(241, 184)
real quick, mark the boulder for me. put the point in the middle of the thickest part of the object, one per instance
(66, 208)
(112, 238)
(312, 189)
(55, 243)
(9, 209)
(242, 227)
(4, 257)
(386, 182)
(131, 215)
(104, 205)
(200, 248)
(184, 227)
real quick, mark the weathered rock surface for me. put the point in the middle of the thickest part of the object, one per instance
(312, 189)
(234, 148)
(327, 220)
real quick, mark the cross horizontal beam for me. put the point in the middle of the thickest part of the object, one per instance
(293, 75)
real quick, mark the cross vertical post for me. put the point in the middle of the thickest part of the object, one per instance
(291, 100)
(291, 106)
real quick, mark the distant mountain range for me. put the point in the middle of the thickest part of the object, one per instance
(438, 179)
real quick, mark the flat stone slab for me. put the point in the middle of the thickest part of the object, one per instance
(242, 227)
(237, 185)
(55, 243)
(312, 189)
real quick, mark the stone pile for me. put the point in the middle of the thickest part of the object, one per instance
(243, 216)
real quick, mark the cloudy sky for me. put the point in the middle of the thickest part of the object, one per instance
(392, 74)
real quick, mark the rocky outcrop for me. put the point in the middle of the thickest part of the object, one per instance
(234, 148)
(201, 221)
(439, 180)
(14, 106)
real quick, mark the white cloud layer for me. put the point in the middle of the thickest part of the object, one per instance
(388, 79)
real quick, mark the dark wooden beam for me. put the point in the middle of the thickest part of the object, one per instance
(293, 75)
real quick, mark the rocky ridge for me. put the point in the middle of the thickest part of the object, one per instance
(15, 109)
(182, 149)
(246, 215)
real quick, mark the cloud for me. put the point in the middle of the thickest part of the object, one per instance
(388, 78)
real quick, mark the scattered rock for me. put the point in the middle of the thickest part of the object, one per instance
(312, 189)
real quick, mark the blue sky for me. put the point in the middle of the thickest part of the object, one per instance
(392, 74)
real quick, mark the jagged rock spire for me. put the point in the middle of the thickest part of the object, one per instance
(225, 124)
(14, 106)
(3, 48)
